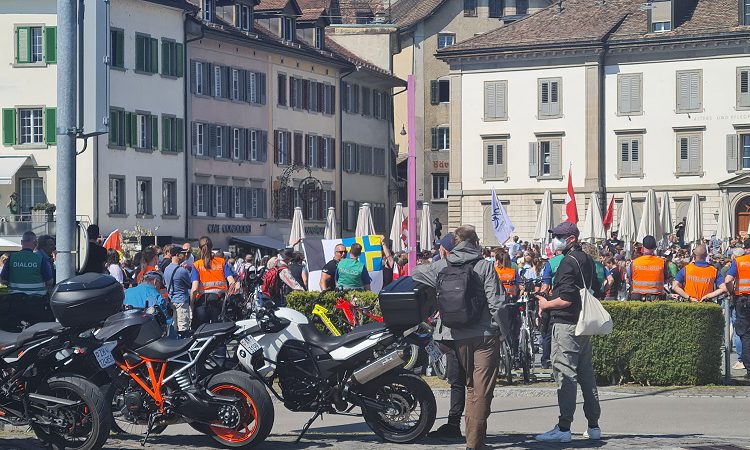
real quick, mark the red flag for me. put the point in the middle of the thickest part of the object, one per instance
(114, 241)
(609, 217)
(571, 210)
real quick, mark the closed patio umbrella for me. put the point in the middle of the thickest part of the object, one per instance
(593, 227)
(724, 227)
(694, 224)
(544, 221)
(626, 226)
(650, 221)
(330, 232)
(365, 225)
(665, 218)
(297, 232)
(397, 245)
(425, 228)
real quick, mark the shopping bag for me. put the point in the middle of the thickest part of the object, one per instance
(594, 319)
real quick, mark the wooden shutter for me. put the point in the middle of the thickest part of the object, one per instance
(501, 89)
(193, 81)
(683, 154)
(165, 58)
(636, 156)
(208, 81)
(154, 131)
(242, 85)
(194, 138)
(212, 206)
(687, 98)
(533, 159)
(434, 92)
(346, 156)
(9, 126)
(262, 142)
(225, 81)
(298, 149)
(636, 94)
(743, 88)
(211, 141)
(179, 59)
(120, 48)
(489, 161)
(623, 157)
(624, 105)
(154, 56)
(50, 45)
(555, 94)
(732, 154)
(244, 148)
(695, 153)
(500, 158)
(555, 157)
(166, 143)
(696, 102)
(194, 199)
(544, 101)
(332, 158)
(140, 54)
(23, 45)
(179, 133)
(490, 93)
(260, 84)
(50, 126)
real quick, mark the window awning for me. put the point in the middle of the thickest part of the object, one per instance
(258, 241)
(9, 165)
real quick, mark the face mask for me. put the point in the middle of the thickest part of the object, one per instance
(559, 244)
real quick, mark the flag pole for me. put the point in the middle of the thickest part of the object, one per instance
(411, 176)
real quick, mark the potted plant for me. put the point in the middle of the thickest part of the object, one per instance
(43, 212)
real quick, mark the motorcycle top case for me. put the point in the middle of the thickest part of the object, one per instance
(134, 327)
(86, 300)
(406, 303)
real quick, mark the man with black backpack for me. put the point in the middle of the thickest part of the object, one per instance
(469, 297)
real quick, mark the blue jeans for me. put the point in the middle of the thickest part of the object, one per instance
(737, 341)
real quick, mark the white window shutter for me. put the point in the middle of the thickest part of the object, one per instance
(695, 91)
(683, 91)
(623, 97)
(533, 159)
(695, 153)
(636, 93)
(555, 91)
(683, 154)
(555, 158)
(500, 171)
(743, 88)
(489, 161)
(623, 157)
(489, 100)
(732, 156)
(500, 99)
(636, 156)
(544, 100)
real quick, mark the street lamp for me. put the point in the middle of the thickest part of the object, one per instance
(403, 131)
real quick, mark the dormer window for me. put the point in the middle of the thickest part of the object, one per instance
(320, 38)
(745, 12)
(661, 16)
(244, 17)
(288, 29)
(658, 27)
(208, 10)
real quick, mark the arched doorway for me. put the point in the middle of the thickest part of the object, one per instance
(742, 216)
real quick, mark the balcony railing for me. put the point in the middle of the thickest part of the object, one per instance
(16, 225)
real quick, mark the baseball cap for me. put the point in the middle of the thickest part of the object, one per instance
(565, 229)
(649, 242)
(447, 242)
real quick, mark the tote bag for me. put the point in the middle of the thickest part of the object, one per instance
(594, 319)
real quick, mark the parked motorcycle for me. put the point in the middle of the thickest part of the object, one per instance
(319, 373)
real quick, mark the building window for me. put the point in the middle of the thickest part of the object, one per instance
(169, 197)
(244, 17)
(630, 94)
(441, 138)
(690, 153)
(117, 48)
(328, 153)
(283, 148)
(236, 143)
(221, 201)
(495, 100)
(630, 156)
(219, 149)
(35, 45)
(746, 12)
(146, 129)
(146, 54)
(252, 142)
(116, 195)
(689, 91)
(32, 192)
(172, 58)
(238, 205)
(376, 104)
(281, 89)
(494, 159)
(256, 87)
(496, 8)
(470, 8)
(320, 38)
(199, 80)
(446, 39)
(217, 81)
(252, 202)
(235, 84)
(439, 185)
(743, 87)
(745, 151)
(351, 157)
(659, 27)
(440, 92)
(379, 162)
(37, 52)
(208, 10)
(550, 98)
(117, 127)
(365, 160)
(172, 134)
(200, 139)
(31, 126)
(288, 29)
(143, 196)
(545, 158)
(202, 199)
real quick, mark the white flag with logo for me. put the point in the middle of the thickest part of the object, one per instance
(501, 224)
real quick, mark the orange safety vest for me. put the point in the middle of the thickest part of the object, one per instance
(742, 284)
(648, 275)
(144, 271)
(507, 276)
(212, 280)
(699, 281)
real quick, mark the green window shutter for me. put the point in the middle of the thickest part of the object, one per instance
(165, 58)
(50, 45)
(9, 126)
(50, 126)
(23, 45)
(165, 144)
(120, 48)
(140, 54)
(113, 128)
(180, 57)
(179, 134)
(154, 132)
(154, 56)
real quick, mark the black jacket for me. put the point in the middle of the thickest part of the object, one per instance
(568, 284)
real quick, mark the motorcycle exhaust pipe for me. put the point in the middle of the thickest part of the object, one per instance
(380, 366)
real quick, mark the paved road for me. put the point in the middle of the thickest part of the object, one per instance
(670, 418)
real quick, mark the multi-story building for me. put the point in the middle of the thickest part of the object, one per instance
(636, 98)
(134, 175)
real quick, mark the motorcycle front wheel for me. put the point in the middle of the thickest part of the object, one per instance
(411, 407)
(82, 425)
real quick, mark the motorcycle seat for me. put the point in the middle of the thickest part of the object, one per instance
(212, 329)
(312, 336)
(36, 331)
(164, 348)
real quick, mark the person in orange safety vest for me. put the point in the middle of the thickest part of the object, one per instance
(648, 273)
(698, 281)
(507, 274)
(212, 279)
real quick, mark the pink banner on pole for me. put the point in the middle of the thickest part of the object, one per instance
(411, 176)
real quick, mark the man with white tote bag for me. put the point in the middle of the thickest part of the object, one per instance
(572, 363)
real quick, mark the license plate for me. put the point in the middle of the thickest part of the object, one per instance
(104, 356)
(434, 351)
(250, 344)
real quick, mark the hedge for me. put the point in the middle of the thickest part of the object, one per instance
(661, 344)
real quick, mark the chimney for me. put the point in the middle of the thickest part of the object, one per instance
(560, 7)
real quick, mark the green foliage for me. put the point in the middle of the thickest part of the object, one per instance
(304, 302)
(661, 344)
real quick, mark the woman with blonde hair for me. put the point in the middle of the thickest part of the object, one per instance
(212, 280)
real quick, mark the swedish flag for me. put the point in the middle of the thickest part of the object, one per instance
(372, 250)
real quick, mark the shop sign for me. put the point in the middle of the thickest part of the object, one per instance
(229, 228)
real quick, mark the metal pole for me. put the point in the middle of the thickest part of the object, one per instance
(727, 343)
(411, 167)
(66, 137)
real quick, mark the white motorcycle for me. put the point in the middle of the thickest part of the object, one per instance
(320, 374)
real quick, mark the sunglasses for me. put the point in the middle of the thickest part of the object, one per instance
(340, 251)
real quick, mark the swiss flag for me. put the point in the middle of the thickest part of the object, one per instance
(609, 217)
(114, 241)
(571, 210)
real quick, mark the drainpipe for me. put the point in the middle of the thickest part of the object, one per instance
(341, 146)
(391, 176)
(602, 138)
(186, 128)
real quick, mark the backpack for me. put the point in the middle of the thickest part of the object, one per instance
(270, 284)
(460, 295)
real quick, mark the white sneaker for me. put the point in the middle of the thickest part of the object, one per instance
(593, 433)
(554, 435)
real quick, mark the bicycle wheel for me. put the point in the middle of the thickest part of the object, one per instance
(505, 369)
(525, 354)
